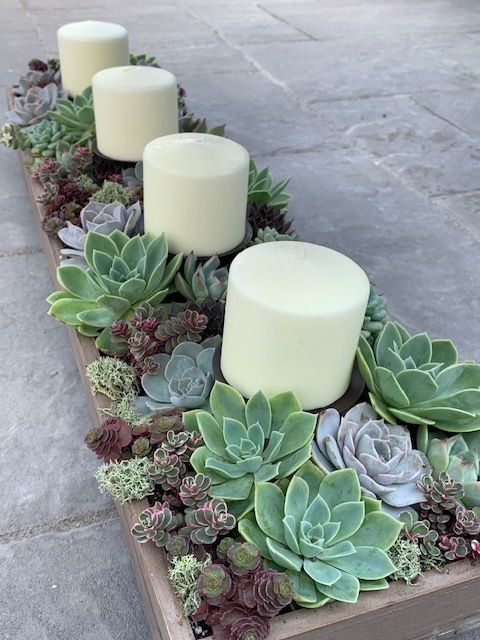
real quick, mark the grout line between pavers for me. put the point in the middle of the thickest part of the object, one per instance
(246, 56)
(284, 21)
(58, 526)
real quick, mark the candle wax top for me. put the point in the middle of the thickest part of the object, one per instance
(92, 30)
(134, 78)
(196, 155)
(299, 277)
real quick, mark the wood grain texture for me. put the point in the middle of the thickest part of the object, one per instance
(443, 602)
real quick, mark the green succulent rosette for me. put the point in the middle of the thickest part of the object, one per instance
(246, 443)
(420, 381)
(122, 273)
(329, 541)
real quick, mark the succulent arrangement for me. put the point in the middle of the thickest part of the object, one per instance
(258, 506)
(420, 381)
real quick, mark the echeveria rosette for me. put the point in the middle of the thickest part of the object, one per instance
(101, 218)
(388, 467)
(420, 381)
(198, 281)
(181, 379)
(122, 273)
(329, 541)
(246, 443)
(460, 459)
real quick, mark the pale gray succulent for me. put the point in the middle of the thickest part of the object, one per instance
(133, 176)
(34, 105)
(382, 455)
(183, 378)
(102, 218)
(34, 78)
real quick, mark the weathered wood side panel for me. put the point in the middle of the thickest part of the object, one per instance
(441, 604)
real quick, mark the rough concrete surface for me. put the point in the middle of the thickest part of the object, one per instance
(372, 106)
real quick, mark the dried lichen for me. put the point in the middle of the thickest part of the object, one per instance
(116, 380)
(406, 556)
(183, 575)
(126, 480)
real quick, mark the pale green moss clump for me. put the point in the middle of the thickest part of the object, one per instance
(126, 480)
(405, 555)
(183, 575)
(116, 380)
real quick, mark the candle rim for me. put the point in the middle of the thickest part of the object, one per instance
(67, 31)
(174, 140)
(261, 301)
(168, 79)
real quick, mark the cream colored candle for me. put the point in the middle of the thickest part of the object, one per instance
(293, 317)
(133, 105)
(195, 191)
(87, 47)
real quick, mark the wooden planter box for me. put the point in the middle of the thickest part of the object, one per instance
(440, 605)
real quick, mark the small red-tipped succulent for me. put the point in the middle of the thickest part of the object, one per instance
(215, 584)
(108, 440)
(208, 521)
(466, 522)
(167, 470)
(236, 623)
(453, 547)
(176, 443)
(243, 558)
(194, 490)
(156, 524)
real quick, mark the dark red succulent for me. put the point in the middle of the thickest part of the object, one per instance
(273, 591)
(37, 65)
(108, 440)
(475, 544)
(236, 623)
(162, 423)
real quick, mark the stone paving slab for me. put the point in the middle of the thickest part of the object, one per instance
(360, 66)
(258, 114)
(46, 470)
(427, 268)
(74, 585)
(334, 19)
(427, 153)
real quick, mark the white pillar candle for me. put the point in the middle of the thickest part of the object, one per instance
(87, 47)
(195, 191)
(133, 105)
(293, 317)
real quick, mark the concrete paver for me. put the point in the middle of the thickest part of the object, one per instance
(370, 105)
